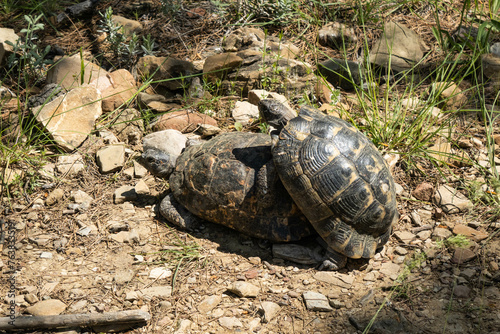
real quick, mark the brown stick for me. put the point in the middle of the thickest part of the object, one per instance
(74, 320)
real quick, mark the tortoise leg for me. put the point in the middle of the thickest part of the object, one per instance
(333, 261)
(177, 214)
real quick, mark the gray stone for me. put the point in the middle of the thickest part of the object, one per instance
(208, 130)
(244, 289)
(67, 72)
(6, 34)
(245, 112)
(141, 188)
(79, 196)
(230, 322)
(399, 46)
(209, 303)
(47, 307)
(450, 200)
(139, 170)
(461, 291)
(390, 270)
(400, 250)
(70, 118)
(462, 255)
(70, 165)
(78, 306)
(424, 235)
(124, 194)
(315, 301)
(441, 233)
(269, 310)
(335, 278)
(110, 158)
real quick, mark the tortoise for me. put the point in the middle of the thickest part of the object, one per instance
(229, 180)
(337, 178)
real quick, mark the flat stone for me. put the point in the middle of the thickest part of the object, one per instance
(462, 255)
(46, 255)
(404, 236)
(245, 112)
(390, 270)
(70, 165)
(461, 291)
(450, 200)
(124, 194)
(338, 279)
(244, 289)
(123, 276)
(441, 233)
(209, 303)
(47, 307)
(10, 35)
(79, 196)
(183, 121)
(139, 170)
(400, 250)
(230, 322)
(67, 71)
(469, 232)
(70, 118)
(316, 301)
(269, 310)
(117, 88)
(217, 66)
(424, 235)
(110, 158)
(141, 188)
(129, 27)
(157, 291)
(160, 273)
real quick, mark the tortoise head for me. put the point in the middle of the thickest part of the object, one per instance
(158, 162)
(275, 113)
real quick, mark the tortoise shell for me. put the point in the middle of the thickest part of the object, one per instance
(339, 180)
(231, 180)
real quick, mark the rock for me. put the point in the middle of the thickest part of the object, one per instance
(183, 121)
(117, 88)
(170, 73)
(110, 158)
(461, 291)
(390, 270)
(124, 194)
(400, 250)
(452, 97)
(491, 66)
(230, 322)
(335, 278)
(123, 276)
(244, 289)
(469, 232)
(70, 118)
(139, 170)
(129, 27)
(46, 255)
(424, 235)
(295, 253)
(183, 326)
(78, 306)
(404, 236)
(79, 196)
(399, 47)
(70, 165)
(450, 200)
(31, 298)
(141, 188)
(315, 301)
(54, 196)
(207, 130)
(209, 303)
(441, 152)
(245, 112)
(160, 273)
(67, 71)
(157, 291)
(6, 34)
(341, 72)
(441, 233)
(336, 35)
(128, 126)
(462, 255)
(423, 192)
(47, 307)
(217, 66)
(269, 310)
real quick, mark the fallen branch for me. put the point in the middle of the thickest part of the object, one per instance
(74, 320)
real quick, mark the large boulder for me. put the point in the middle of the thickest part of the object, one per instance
(67, 72)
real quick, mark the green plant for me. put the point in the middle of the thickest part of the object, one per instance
(26, 55)
(458, 240)
(238, 126)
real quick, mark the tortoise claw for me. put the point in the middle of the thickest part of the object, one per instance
(333, 261)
